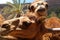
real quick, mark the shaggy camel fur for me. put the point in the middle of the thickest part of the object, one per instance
(37, 12)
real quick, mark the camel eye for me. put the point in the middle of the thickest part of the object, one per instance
(5, 26)
(39, 4)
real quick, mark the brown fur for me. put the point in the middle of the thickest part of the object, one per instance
(29, 33)
(52, 22)
(2, 19)
(32, 12)
(35, 30)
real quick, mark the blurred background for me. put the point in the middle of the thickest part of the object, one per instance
(14, 8)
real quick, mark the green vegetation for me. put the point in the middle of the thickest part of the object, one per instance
(54, 11)
(13, 9)
(52, 14)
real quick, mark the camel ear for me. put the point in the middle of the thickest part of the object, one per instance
(45, 1)
(46, 6)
